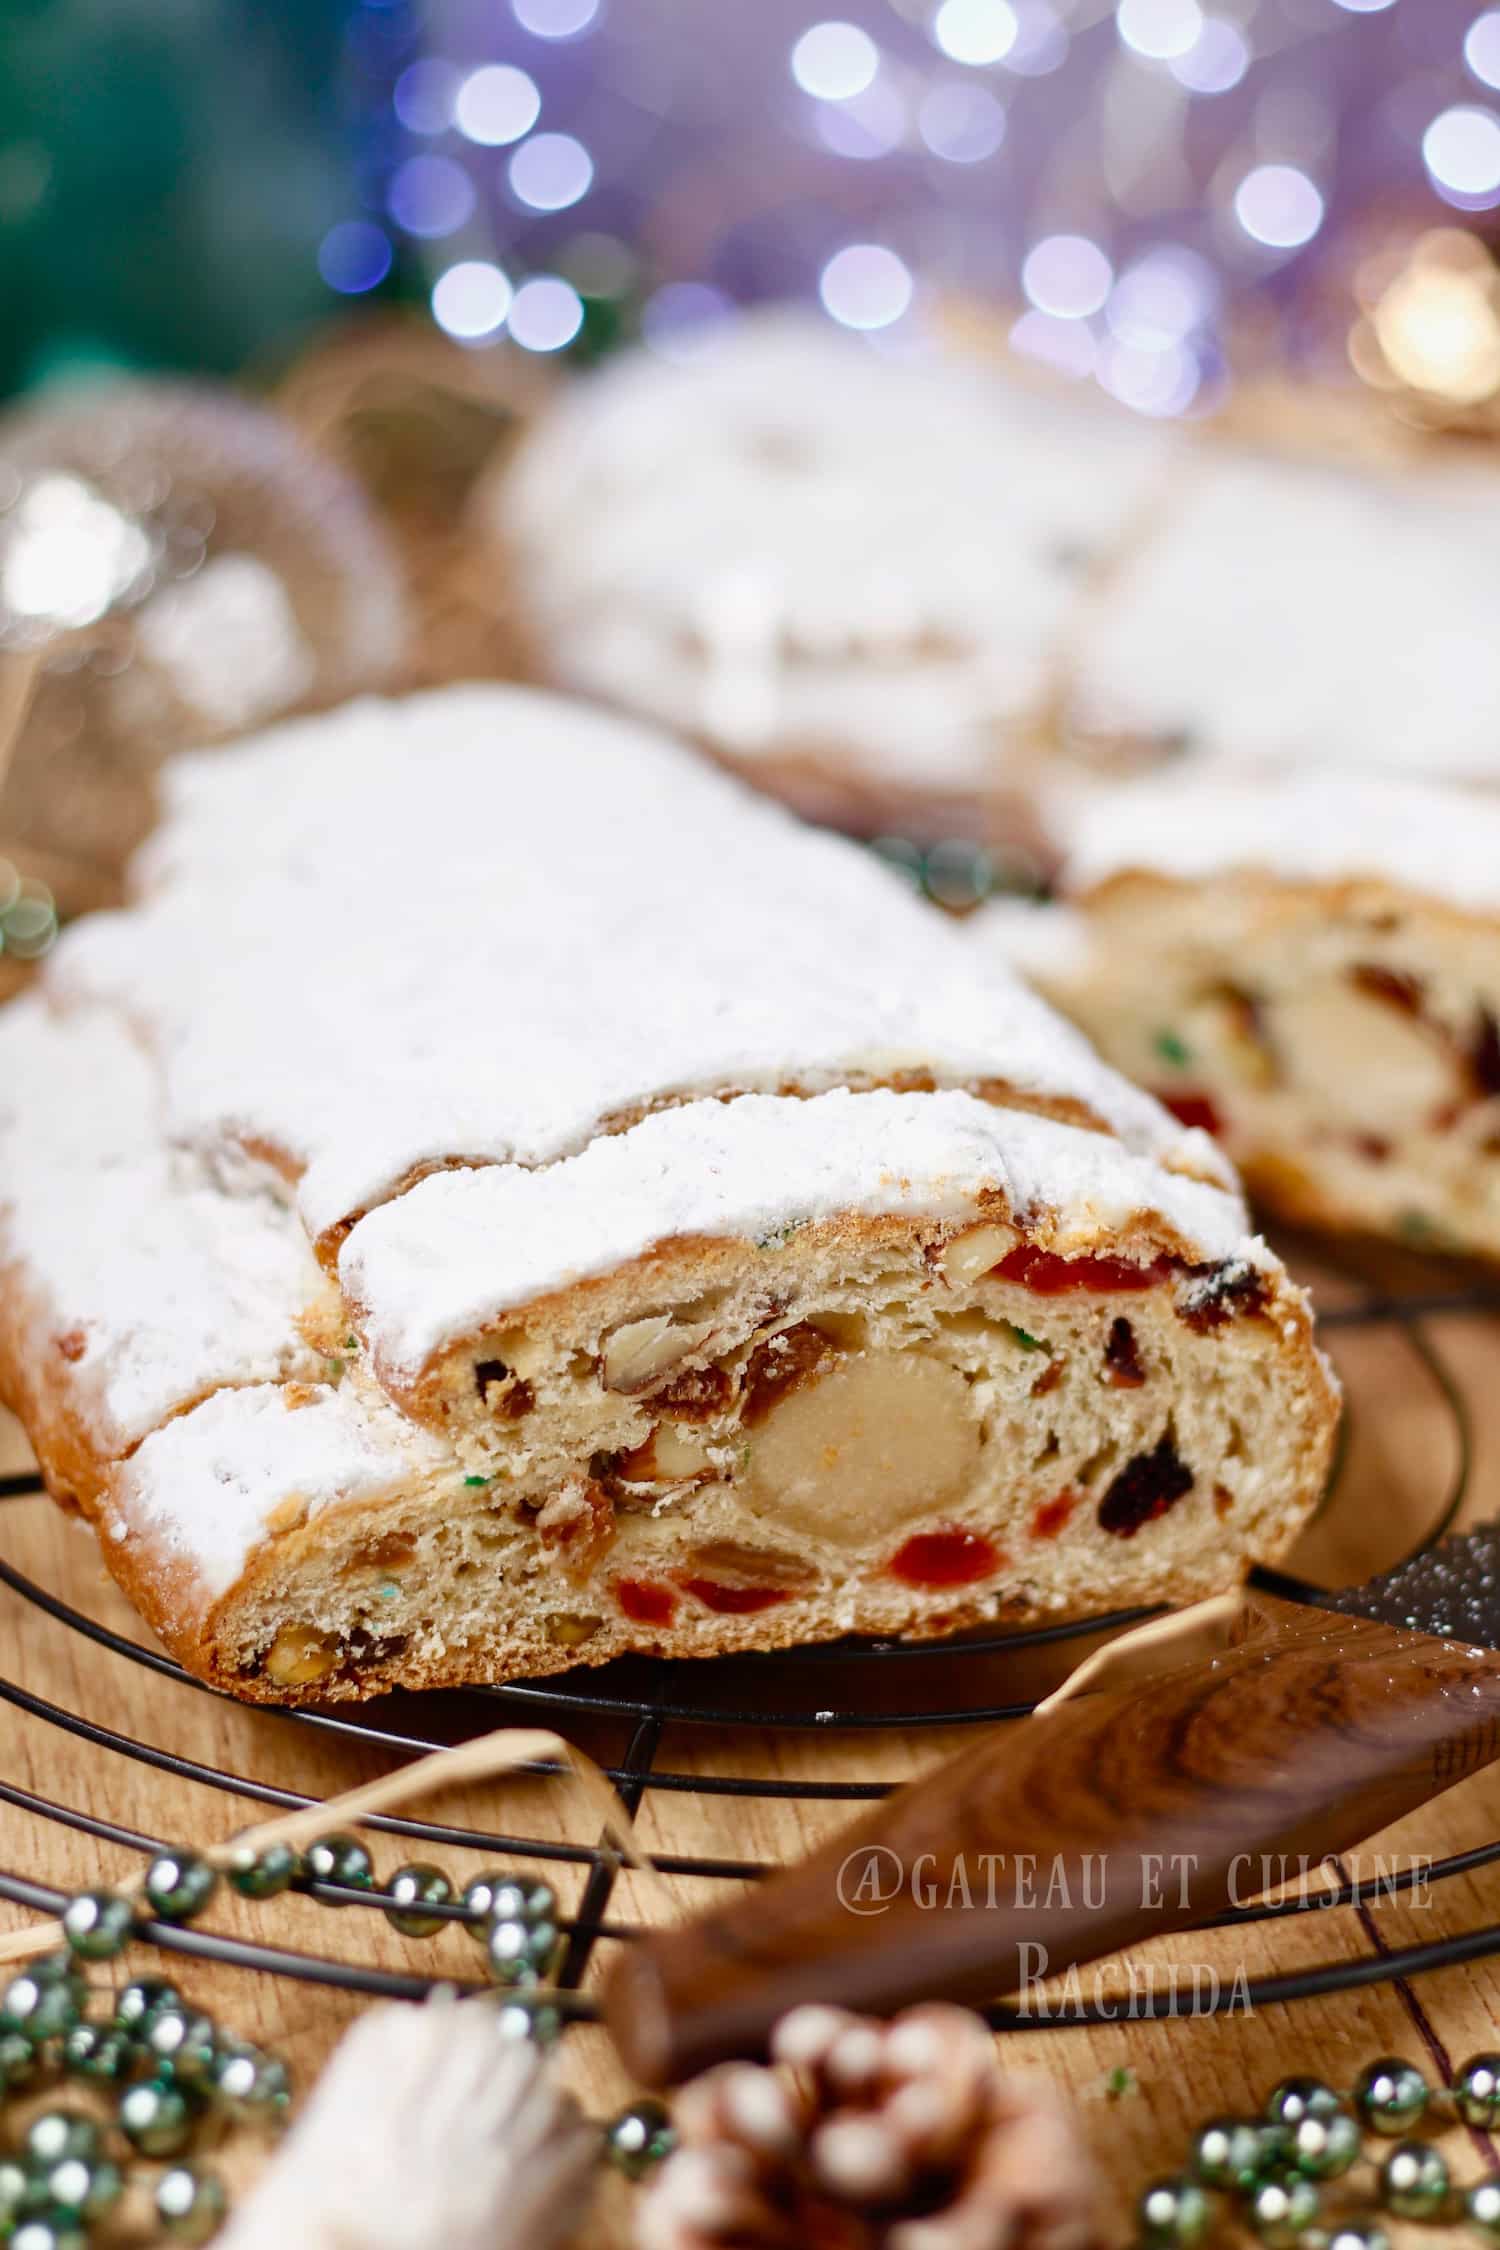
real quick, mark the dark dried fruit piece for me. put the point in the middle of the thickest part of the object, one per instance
(1122, 1357)
(696, 1395)
(503, 1394)
(1051, 1276)
(1216, 1294)
(782, 1364)
(1484, 1054)
(1193, 1109)
(1145, 1489)
(1395, 986)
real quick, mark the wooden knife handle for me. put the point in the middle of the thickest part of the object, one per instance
(1075, 1833)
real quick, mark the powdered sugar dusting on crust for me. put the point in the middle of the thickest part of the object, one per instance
(1268, 620)
(482, 923)
(212, 1485)
(462, 1248)
(800, 541)
(1436, 839)
(153, 1286)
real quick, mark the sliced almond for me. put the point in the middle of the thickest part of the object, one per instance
(976, 1252)
(668, 1455)
(643, 1351)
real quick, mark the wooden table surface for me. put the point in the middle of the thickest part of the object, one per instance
(1423, 1423)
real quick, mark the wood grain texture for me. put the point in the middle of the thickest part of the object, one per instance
(1407, 1446)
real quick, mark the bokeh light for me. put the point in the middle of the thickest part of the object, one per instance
(496, 104)
(1279, 206)
(555, 19)
(835, 60)
(975, 31)
(866, 126)
(471, 299)
(1461, 149)
(1482, 47)
(1217, 60)
(1159, 29)
(1067, 276)
(865, 285)
(961, 122)
(354, 256)
(551, 171)
(430, 196)
(546, 313)
(424, 95)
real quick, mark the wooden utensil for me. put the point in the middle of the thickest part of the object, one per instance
(1105, 1820)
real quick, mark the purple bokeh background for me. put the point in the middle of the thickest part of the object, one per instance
(689, 153)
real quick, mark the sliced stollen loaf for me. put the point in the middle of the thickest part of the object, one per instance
(851, 573)
(505, 1196)
(1307, 966)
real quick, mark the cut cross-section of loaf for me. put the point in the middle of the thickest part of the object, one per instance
(505, 1197)
(1310, 969)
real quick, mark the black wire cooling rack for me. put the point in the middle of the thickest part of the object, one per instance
(825, 1691)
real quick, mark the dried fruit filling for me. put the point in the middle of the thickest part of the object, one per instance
(1047, 1275)
(946, 1558)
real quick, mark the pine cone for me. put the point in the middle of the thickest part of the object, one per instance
(872, 2136)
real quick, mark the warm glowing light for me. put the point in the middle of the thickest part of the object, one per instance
(1461, 149)
(1067, 275)
(1279, 206)
(1438, 322)
(832, 61)
(546, 313)
(551, 171)
(471, 300)
(865, 286)
(68, 555)
(975, 31)
(961, 122)
(496, 105)
(1159, 29)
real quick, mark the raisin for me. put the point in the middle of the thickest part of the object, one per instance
(1122, 1357)
(1395, 986)
(1219, 1293)
(695, 1395)
(780, 1365)
(1145, 1489)
(514, 1396)
(1484, 1054)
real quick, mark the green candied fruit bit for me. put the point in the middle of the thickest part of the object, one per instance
(1026, 1340)
(390, 1592)
(1172, 1049)
(476, 1480)
(1121, 2080)
(351, 1343)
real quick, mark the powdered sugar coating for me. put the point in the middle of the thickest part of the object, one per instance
(798, 539)
(483, 923)
(205, 1489)
(1290, 611)
(152, 1286)
(462, 1248)
(1437, 839)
